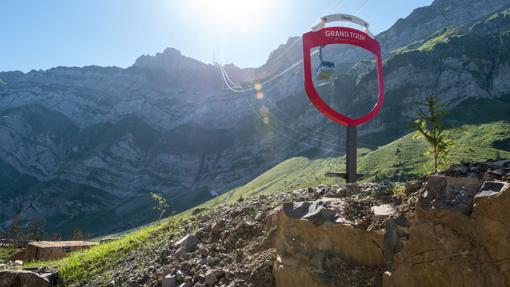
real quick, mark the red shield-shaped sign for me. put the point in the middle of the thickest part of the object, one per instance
(341, 35)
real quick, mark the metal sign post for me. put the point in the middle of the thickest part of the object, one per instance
(321, 36)
(352, 154)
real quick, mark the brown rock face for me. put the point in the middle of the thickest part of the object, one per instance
(313, 242)
(22, 279)
(491, 214)
(451, 231)
(454, 242)
(436, 255)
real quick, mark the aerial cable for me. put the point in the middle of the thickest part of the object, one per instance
(236, 85)
(336, 6)
(277, 131)
(227, 80)
(244, 90)
(361, 7)
(285, 52)
(298, 132)
(225, 75)
(318, 133)
(287, 69)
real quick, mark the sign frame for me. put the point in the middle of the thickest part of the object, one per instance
(348, 36)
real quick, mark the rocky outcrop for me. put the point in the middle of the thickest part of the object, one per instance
(440, 15)
(448, 231)
(458, 236)
(311, 236)
(22, 279)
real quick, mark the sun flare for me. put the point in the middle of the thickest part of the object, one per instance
(232, 15)
(232, 9)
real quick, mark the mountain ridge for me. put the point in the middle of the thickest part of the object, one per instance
(137, 130)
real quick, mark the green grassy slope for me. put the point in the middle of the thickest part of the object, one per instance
(400, 160)
(99, 262)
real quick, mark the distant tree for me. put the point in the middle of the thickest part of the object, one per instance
(34, 231)
(3, 235)
(429, 125)
(398, 164)
(78, 235)
(161, 204)
(56, 237)
(14, 233)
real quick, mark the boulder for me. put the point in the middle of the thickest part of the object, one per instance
(198, 210)
(412, 186)
(491, 215)
(384, 210)
(169, 281)
(17, 263)
(186, 244)
(311, 234)
(438, 256)
(211, 277)
(17, 278)
(449, 193)
(459, 236)
(447, 201)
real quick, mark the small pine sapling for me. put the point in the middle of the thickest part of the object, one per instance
(161, 204)
(430, 126)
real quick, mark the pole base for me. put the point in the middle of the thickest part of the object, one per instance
(344, 175)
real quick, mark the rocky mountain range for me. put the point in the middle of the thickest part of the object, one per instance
(84, 147)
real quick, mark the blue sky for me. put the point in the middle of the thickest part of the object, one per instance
(38, 34)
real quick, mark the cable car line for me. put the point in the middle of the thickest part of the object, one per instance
(227, 79)
(318, 133)
(291, 66)
(233, 86)
(336, 6)
(361, 7)
(299, 132)
(287, 126)
(277, 131)
(268, 80)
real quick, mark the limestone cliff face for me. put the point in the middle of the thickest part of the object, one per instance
(439, 15)
(96, 140)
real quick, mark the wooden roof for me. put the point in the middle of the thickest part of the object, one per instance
(56, 244)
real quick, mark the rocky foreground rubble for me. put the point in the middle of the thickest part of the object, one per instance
(239, 245)
(451, 229)
(446, 230)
